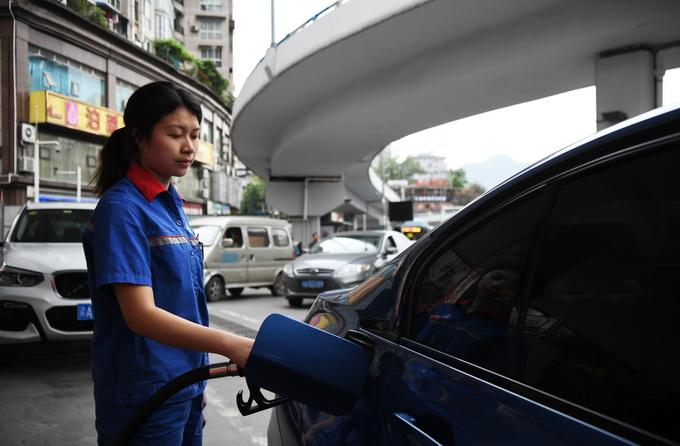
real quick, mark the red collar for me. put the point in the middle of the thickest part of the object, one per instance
(147, 184)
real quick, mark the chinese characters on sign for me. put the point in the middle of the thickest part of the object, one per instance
(57, 109)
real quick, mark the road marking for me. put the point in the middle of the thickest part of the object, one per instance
(243, 317)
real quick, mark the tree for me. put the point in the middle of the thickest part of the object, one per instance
(468, 193)
(457, 178)
(394, 170)
(253, 201)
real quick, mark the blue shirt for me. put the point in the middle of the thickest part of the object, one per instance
(139, 235)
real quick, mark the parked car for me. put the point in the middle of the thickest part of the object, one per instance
(241, 251)
(44, 293)
(342, 260)
(545, 312)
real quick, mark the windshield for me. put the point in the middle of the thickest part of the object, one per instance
(207, 234)
(348, 244)
(51, 226)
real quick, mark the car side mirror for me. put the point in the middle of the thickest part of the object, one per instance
(303, 363)
(391, 250)
(227, 242)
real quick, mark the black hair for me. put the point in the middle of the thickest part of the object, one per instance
(147, 105)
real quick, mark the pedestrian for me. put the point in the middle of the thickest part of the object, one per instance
(145, 268)
(315, 240)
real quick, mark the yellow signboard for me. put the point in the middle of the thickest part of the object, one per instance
(205, 153)
(57, 109)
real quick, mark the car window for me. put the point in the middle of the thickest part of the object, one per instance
(389, 243)
(51, 226)
(465, 293)
(207, 234)
(601, 329)
(258, 237)
(236, 235)
(348, 244)
(280, 237)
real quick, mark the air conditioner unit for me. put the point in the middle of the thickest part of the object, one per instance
(26, 164)
(195, 28)
(28, 132)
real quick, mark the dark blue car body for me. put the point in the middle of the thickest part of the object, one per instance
(581, 345)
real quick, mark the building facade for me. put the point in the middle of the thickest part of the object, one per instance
(209, 31)
(65, 82)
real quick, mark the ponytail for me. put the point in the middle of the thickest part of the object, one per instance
(114, 160)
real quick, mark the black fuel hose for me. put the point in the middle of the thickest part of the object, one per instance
(218, 370)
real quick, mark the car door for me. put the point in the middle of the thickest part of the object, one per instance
(261, 264)
(585, 267)
(282, 249)
(232, 260)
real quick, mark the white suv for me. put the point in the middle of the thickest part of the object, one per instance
(44, 292)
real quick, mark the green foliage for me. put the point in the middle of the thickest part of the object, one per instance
(468, 193)
(89, 11)
(394, 170)
(205, 71)
(457, 179)
(172, 51)
(253, 201)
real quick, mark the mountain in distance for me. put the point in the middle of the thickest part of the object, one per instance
(492, 171)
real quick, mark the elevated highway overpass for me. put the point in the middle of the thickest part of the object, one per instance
(322, 103)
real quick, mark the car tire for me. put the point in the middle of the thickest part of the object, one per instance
(214, 289)
(294, 301)
(279, 287)
(236, 292)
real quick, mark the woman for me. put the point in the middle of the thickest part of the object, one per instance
(145, 269)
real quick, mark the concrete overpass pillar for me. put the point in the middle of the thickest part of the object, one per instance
(625, 84)
(302, 230)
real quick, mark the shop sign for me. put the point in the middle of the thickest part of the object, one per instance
(57, 109)
(193, 208)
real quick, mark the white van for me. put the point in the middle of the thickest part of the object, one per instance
(241, 251)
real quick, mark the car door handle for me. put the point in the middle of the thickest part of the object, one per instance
(252, 257)
(363, 340)
(407, 421)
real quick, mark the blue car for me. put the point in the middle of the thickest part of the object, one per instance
(545, 312)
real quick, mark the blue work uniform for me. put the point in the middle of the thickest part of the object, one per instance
(140, 235)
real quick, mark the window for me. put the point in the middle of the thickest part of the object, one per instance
(258, 237)
(123, 93)
(236, 235)
(51, 72)
(280, 237)
(465, 295)
(211, 28)
(163, 27)
(601, 329)
(211, 5)
(51, 226)
(207, 131)
(213, 53)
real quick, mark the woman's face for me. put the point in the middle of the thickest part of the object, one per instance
(171, 147)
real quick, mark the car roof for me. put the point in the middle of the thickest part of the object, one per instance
(32, 205)
(367, 232)
(221, 220)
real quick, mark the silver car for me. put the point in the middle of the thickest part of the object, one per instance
(44, 293)
(341, 261)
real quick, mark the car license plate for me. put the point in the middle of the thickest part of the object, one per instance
(85, 312)
(312, 284)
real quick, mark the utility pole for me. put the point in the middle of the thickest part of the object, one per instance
(273, 43)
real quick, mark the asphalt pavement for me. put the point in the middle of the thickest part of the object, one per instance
(46, 389)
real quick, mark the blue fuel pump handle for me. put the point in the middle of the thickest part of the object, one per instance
(212, 371)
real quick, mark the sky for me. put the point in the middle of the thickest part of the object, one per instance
(525, 132)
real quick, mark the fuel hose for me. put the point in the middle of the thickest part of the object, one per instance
(218, 370)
